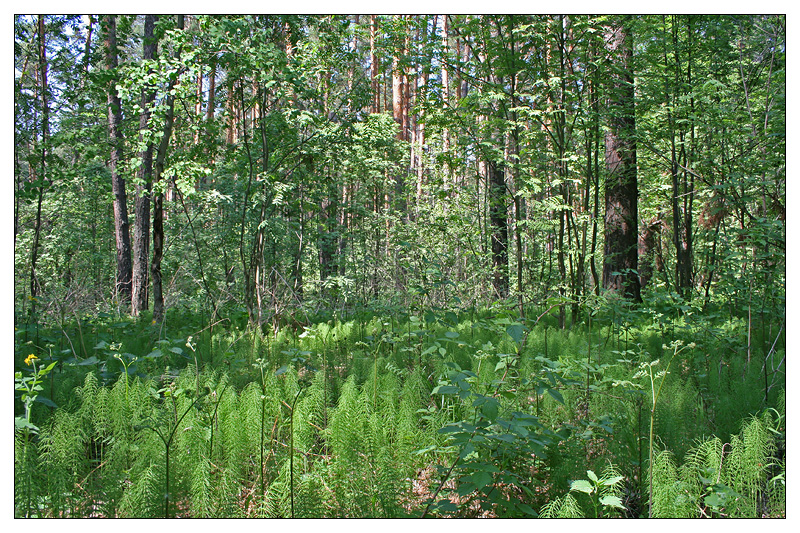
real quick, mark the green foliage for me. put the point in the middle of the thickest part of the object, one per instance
(602, 492)
(374, 435)
(737, 479)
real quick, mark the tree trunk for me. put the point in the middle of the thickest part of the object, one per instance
(647, 250)
(373, 58)
(682, 191)
(498, 218)
(622, 193)
(445, 101)
(121, 227)
(34, 285)
(141, 229)
(158, 201)
(87, 50)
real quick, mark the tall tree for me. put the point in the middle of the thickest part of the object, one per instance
(141, 231)
(158, 200)
(622, 192)
(680, 156)
(121, 226)
(498, 218)
(373, 62)
(45, 139)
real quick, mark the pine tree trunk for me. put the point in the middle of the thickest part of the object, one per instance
(622, 193)
(373, 58)
(445, 101)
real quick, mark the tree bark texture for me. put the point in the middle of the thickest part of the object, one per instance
(158, 200)
(121, 225)
(141, 225)
(622, 193)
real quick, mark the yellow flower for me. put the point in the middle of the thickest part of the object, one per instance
(30, 358)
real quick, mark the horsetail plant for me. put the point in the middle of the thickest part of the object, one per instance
(646, 369)
(168, 438)
(291, 449)
(30, 386)
(126, 366)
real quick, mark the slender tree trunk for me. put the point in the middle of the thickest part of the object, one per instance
(446, 100)
(373, 58)
(198, 105)
(351, 72)
(622, 193)
(397, 93)
(498, 218)
(682, 192)
(121, 226)
(141, 230)
(34, 284)
(158, 201)
(212, 92)
(87, 50)
(593, 164)
(420, 139)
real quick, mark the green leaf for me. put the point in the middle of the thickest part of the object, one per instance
(527, 509)
(714, 500)
(582, 485)
(592, 476)
(490, 408)
(468, 449)
(46, 401)
(21, 423)
(612, 501)
(446, 506)
(424, 450)
(556, 395)
(481, 479)
(515, 331)
(444, 389)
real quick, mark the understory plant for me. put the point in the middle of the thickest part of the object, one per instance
(745, 478)
(602, 492)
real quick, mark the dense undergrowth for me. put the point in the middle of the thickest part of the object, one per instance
(402, 412)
